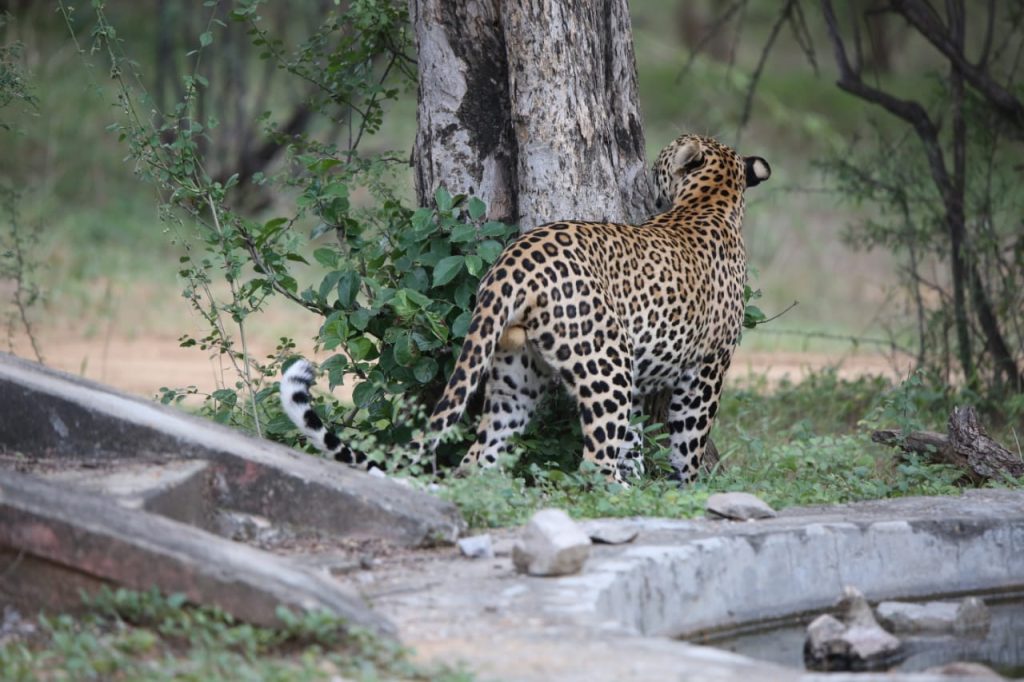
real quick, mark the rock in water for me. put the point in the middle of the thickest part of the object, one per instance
(738, 506)
(854, 641)
(552, 544)
(936, 616)
(964, 669)
(968, 616)
(972, 616)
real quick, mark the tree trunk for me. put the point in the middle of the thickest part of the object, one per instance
(580, 144)
(533, 107)
(464, 132)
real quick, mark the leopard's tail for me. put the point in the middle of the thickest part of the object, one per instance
(493, 326)
(298, 405)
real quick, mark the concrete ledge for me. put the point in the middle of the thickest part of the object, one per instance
(55, 541)
(614, 621)
(44, 413)
(748, 572)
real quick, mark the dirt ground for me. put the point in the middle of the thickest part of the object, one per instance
(142, 365)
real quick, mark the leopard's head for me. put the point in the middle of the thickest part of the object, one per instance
(694, 165)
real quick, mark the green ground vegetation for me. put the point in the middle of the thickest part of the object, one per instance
(794, 444)
(125, 635)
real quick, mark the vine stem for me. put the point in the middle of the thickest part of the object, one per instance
(245, 369)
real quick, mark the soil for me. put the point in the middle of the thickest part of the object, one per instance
(141, 365)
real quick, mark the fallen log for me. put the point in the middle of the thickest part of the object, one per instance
(966, 447)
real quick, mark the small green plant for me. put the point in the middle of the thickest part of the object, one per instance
(145, 635)
(395, 289)
(17, 241)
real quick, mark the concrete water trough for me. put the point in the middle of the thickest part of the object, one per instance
(627, 614)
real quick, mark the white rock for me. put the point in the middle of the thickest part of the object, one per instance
(552, 544)
(738, 506)
(477, 546)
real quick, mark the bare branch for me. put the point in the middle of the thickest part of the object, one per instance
(755, 78)
(709, 35)
(922, 17)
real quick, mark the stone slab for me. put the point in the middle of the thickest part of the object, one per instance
(55, 541)
(47, 414)
(178, 490)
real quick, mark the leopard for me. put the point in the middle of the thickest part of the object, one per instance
(612, 312)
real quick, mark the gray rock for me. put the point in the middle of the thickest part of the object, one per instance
(969, 615)
(935, 616)
(854, 641)
(972, 616)
(964, 669)
(477, 547)
(610, 533)
(552, 544)
(738, 506)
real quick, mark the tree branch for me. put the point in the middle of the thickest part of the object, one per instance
(923, 18)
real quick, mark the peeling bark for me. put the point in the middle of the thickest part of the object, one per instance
(575, 111)
(532, 106)
(464, 135)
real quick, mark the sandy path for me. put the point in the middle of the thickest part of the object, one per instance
(142, 365)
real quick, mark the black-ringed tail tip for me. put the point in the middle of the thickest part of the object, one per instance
(298, 405)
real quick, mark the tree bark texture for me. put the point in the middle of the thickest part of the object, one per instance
(533, 107)
(464, 134)
(967, 447)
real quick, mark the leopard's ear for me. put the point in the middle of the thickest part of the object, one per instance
(758, 170)
(685, 156)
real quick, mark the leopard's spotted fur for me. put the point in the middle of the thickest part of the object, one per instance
(615, 312)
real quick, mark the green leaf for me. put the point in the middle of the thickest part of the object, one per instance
(335, 331)
(404, 350)
(205, 38)
(495, 229)
(463, 233)
(474, 265)
(419, 299)
(489, 250)
(226, 396)
(753, 316)
(364, 394)
(423, 220)
(326, 257)
(446, 270)
(443, 200)
(329, 281)
(477, 208)
(362, 348)
(348, 288)
(464, 294)
(461, 324)
(360, 319)
(425, 370)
